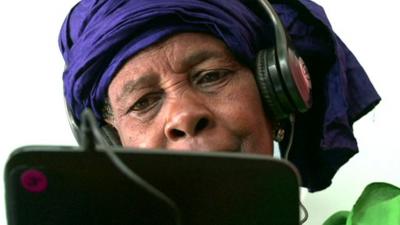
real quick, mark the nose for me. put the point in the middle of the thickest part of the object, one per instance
(187, 119)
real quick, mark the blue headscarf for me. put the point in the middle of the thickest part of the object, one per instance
(99, 36)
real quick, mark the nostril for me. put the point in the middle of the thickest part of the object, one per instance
(186, 129)
(175, 133)
(201, 125)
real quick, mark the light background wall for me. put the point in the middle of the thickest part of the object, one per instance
(32, 109)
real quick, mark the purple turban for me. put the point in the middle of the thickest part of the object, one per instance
(99, 36)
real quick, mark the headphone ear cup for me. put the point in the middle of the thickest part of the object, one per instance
(268, 81)
(110, 135)
(284, 82)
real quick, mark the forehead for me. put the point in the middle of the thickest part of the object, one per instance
(177, 53)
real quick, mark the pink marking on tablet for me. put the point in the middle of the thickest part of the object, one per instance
(34, 181)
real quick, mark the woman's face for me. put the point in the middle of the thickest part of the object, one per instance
(189, 93)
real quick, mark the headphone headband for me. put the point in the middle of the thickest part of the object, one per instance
(279, 30)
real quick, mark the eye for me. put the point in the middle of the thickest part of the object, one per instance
(211, 77)
(146, 103)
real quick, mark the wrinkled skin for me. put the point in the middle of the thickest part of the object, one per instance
(188, 93)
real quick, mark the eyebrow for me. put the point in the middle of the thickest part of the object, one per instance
(147, 80)
(200, 56)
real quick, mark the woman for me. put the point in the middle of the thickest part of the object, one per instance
(209, 102)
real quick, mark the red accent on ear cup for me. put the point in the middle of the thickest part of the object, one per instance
(302, 80)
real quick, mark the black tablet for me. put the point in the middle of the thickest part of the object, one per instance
(56, 185)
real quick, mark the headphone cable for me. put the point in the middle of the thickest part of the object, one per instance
(292, 121)
(90, 134)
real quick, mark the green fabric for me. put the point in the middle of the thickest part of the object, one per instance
(379, 204)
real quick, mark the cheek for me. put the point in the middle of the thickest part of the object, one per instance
(137, 135)
(242, 113)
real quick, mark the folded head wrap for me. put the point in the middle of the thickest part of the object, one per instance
(99, 36)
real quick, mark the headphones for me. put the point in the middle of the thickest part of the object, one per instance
(282, 78)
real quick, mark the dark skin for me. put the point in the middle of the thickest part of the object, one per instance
(188, 93)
